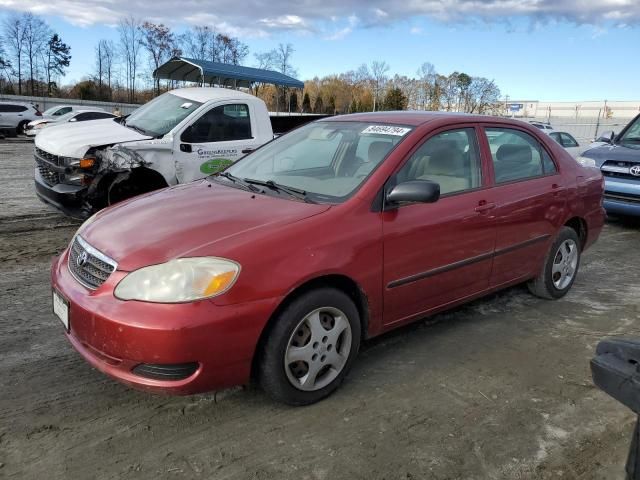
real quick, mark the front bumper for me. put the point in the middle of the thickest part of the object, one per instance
(69, 199)
(115, 336)
(622, 196)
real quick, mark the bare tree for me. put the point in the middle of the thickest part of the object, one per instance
(160, 44)
(14, 35)
(196, 42)
(379, 71)
(36, 35)
(130, 44)
(108, 63)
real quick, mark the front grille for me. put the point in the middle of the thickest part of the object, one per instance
(622, 197)
(43, 162)
(89, 266)
(619, 169)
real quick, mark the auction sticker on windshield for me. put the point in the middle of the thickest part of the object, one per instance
(387, 130)
(61, 309)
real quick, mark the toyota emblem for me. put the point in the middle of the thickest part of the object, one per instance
(635, 170)
(82, 259)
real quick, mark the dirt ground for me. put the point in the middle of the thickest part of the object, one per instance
(499, 388)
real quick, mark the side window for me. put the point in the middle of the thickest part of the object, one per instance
(556, 137)
(62, 111)
(221, 124)
(568, 141)
(100, 115)
(449, 158)
(81, 117)
(516, 155)
(12, 108)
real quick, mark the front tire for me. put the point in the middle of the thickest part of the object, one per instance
(310, 348)
(22, 127)
(560, 267)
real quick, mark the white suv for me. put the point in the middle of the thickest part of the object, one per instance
(15, 116)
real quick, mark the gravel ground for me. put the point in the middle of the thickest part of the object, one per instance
(499, 388)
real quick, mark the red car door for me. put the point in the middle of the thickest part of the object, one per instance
(529, 198)
(437, 253)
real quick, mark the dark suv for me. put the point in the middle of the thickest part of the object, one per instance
(619, 161)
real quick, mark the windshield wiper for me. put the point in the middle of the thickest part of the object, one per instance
(291, 191)
(137, 129)
(239, 181)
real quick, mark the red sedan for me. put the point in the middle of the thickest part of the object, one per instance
(280, 266)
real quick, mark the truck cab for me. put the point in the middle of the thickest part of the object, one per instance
(178, 137)
(618, 158)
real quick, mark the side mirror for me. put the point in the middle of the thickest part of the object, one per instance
(74, 119)
(606, 137)
(187, 135)
(414, 191)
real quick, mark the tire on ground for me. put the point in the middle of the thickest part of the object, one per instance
(543, 286)
(271, 367)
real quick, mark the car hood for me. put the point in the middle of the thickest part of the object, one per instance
(39, 121)
(73, 139)
(613, 152)
(196, 219)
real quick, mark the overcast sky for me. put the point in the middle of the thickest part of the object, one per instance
(533, 49)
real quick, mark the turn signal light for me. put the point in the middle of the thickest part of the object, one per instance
(87, 162)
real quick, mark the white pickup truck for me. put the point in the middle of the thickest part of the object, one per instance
(180, 136)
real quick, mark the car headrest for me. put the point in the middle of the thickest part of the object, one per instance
(514, 154)
(378, 150)
(445, 161)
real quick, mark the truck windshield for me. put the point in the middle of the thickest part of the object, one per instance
(161, 114)
(631, 137)
(327, 161)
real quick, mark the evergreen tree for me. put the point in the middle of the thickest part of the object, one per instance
(394, 100)
(306, 103)
(58, 58)
(293, 102)
(319, 106)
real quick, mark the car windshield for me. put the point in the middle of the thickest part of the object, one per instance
(50, 111)
(161, 114)
(631, 137)
(327, 161)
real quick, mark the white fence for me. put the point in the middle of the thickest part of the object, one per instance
(584, 129)
(47, 102)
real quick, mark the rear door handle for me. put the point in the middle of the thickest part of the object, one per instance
(485, 206)
(248, 150)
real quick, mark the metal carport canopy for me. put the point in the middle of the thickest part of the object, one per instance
(224, 74)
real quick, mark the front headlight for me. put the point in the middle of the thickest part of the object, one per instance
(180, 280)
(586, 162)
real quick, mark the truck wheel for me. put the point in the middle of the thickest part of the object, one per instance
(310, 348)
(560, 267)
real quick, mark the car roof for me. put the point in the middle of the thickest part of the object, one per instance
(417, 118)
(22, 104)
(207, 94)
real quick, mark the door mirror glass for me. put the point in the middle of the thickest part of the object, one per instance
(606, 137)
(414, 191)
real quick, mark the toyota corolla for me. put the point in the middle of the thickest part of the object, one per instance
(278, 268)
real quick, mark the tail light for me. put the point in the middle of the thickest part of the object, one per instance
(38, 113)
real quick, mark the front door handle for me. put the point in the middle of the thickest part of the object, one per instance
(185, 147)
(484, 206)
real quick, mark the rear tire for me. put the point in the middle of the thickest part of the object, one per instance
(310, 348)
(560, 267)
